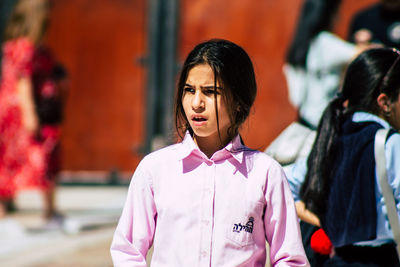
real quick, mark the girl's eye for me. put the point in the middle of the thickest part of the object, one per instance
(188, 89)
(211, 91)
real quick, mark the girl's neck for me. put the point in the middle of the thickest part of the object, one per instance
(209, 145)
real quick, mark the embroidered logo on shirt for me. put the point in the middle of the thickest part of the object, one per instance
(248, 227)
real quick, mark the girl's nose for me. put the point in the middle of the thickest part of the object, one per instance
(197, 101)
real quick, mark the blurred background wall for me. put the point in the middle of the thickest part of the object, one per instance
(121, 54)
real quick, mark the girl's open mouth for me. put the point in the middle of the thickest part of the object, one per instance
(198, 120)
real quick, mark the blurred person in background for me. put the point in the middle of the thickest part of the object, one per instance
(315, 62)
(379, 23)
(339, 182)
(32, 93)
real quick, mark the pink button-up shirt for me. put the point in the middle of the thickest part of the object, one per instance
(197, 211)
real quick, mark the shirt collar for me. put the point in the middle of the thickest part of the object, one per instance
(235, 148)
(361, 116)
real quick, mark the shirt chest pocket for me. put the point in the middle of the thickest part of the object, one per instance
(245, 223)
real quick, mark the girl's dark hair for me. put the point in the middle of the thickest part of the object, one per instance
(316, 16)
(373, 72)
(234, 72)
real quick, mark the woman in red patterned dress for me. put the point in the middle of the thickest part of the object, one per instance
(30, 107)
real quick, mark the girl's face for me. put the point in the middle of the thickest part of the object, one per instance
(198, 102)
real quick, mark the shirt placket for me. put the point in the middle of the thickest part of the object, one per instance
(207, 214)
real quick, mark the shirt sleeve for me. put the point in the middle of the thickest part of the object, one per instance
(296, 79)
(281, 222)
(335, 51)
(392, 153)
(134, 234)
(296, 175)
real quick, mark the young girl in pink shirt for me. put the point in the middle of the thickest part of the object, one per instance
(209, 200)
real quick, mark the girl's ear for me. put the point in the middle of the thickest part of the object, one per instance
(384, 104)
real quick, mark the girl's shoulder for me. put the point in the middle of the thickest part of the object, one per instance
(259, 155)
(393, 141)
(261, 160)
(265, 170)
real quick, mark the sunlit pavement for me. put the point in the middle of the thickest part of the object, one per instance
(91, 214)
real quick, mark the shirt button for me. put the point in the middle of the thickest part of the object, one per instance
(204, 254)
(206, 222)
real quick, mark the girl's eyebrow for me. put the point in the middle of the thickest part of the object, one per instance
(211, 87)
(205, 87)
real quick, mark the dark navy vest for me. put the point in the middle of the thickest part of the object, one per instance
(351, 211)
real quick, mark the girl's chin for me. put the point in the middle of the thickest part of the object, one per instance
(205, 132)
(202, 134)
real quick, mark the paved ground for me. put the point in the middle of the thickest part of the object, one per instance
(84, 241)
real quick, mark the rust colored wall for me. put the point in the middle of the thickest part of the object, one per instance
(99, 40)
